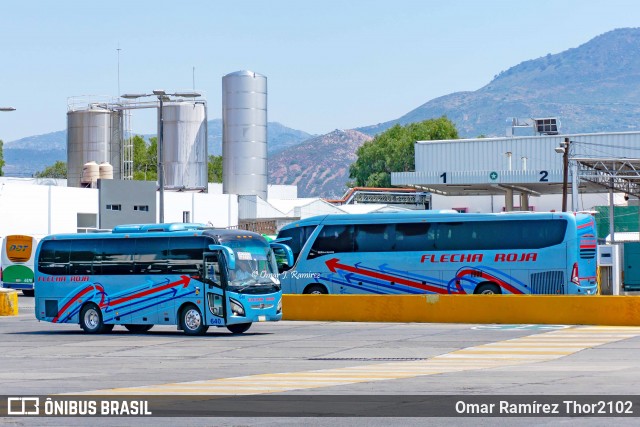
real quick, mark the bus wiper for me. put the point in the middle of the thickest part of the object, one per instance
(242, 288)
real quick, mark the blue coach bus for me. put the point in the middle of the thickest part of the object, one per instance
(158, 274)
(443, 253)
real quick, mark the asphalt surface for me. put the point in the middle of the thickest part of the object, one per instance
(291, 361)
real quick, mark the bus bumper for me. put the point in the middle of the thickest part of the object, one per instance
(18, 286)
(254, 308)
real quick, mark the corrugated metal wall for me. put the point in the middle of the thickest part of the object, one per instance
(491, 153)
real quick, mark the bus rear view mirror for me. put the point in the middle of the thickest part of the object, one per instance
(228, 254)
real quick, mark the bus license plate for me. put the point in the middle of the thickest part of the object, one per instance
(262, 318)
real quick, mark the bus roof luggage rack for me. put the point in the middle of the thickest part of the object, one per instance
(149, 228)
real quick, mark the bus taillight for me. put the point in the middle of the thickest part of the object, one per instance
(575, 277)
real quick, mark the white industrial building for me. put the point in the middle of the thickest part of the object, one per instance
(35, 206)
(524, 173)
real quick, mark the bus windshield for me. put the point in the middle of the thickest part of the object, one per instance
(255, 266)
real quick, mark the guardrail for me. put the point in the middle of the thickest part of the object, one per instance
(508, 309)
(8, 302)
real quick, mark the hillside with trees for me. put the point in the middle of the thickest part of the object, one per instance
(394, 151)
(591, 88)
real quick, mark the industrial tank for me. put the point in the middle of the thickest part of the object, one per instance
(93, 134)
(90, 174)
(106, 170)
(184, 141)
(244, 134)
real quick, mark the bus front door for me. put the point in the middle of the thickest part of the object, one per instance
(214, 279)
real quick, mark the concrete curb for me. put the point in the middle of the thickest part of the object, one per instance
(8, 302)
(507, 309)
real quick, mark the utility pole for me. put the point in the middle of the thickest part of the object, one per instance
(565, 173)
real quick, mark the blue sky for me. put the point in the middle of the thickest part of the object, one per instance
(329, 64)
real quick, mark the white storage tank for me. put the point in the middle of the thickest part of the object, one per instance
(93, 135)
(184, 139)
(244, 134)
(106, 170)
(90, 174)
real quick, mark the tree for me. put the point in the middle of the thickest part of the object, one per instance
(214, 169)
(58, 170)
(145, 166)
(1, 158)
(145, 161)
(393, 151)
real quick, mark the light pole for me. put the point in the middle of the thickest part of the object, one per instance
(564, 149)
(162, 96)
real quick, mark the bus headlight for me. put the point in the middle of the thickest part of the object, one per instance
(279, 307)
(236, 307)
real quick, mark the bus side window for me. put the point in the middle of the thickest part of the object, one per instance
(151, 255)
(414, 237)
(298, 237)
(373, 238)
(332, 239)
(185, 254)
(54, 257)
(83, 257)
(212, 271)
(117, 256)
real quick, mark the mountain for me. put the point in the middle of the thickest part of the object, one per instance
(26, 162)
(319, 166)
(592, 88)
(48, 141)
(28, 155)
(279, 137)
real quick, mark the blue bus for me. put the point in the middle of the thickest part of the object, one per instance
(442, 253)
(158, 274)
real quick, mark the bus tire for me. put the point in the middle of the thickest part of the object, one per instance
(28, 292)
(315, 290)
(487, 289)
(192, 321)
(138, 329)
(239, 328)
(91, 319)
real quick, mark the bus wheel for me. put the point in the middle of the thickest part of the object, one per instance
(192, 322)
(91, 319)
(487, 289)
(28, 292)
(239, 328)
(138, 329)
(315, 290)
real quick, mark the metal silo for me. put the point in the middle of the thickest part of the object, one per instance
(184, 139)
(93, 134)
(244, 134)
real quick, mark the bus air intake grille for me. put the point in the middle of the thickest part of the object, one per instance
(548, 283)
(587, 253)
(262, 306)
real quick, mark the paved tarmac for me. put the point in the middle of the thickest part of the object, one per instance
(354, 362)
